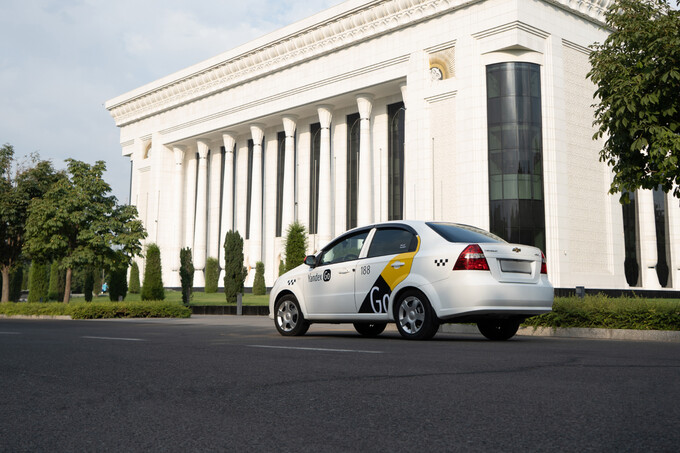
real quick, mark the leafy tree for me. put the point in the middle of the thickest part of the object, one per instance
(234, 271)
(259, 286)
(78, 223)
(118, 283)
(134, 279)
(38, 281)
(19, 184)
(186, 274)
(152, 288)
(637, 73)
(296, 245)
(88, 286)
(212, 275)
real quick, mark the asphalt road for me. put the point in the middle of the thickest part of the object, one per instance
(228, 383)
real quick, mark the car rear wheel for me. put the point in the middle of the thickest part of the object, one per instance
(499, 329)
(289, 319)
(416, 320)
(369, 329)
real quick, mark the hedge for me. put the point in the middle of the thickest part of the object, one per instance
(98, 310)
(611, 313)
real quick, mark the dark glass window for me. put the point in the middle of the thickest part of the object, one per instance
(250, 187)
(346, 249)
(392, 241)
(630, 264)
(661, 221)
(280, 168)
(516, 209)
(353, 140)
(395, 162)
(314, 158)
(454, 232)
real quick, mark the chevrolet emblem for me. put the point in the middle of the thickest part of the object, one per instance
(517, 249)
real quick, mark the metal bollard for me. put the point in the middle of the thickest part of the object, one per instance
(239, 304)
(580, 292)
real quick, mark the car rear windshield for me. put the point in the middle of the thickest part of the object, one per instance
(453, 232)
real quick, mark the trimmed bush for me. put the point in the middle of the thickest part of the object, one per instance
(259, 287)
(38, 282)
(97, 287)
(98, 310)
(88, 285)
(212, 275)
(186, 274)
(118, 284)
(15, 279)
(152, 288)
(234, 271)
(134, 286)
(296, 245)
(53, 290)
(282, 267)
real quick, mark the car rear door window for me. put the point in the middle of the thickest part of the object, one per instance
(392, 241)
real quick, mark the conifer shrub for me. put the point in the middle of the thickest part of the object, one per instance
(259, 287)
(134, 286)
(53, 289)
(88, 285)
(152, 288)
(296, 245)
(118, 284)
(97, 288)
(186, 274)
(234, 271)
(38, 282)
(15, 279)
(212, 275)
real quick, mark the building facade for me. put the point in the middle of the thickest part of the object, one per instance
(472, 111)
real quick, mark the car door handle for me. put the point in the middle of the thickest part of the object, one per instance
(397, 264)
(344, 271)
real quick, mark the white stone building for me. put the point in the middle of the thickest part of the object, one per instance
(472, 111)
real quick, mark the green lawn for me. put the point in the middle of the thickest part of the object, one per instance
(199, 298)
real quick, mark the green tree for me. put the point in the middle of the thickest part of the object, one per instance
(234, 271)
(637, 73)
(88, 286)
(296, 245)
(134, 279)
(97, 284)
(186, 274)
(152, 287)
(19, 184)
(212, 275)
(55, 276)
(38, 281)
(118, 283)
(16, 277)
(78, 223)
(259, 286)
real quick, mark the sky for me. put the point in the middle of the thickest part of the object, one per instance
(61, 60)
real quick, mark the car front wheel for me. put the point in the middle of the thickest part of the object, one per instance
(370, 329)
(499, 329)
(416, 320)
(289, 319)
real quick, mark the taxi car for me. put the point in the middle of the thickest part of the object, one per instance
(418, 275)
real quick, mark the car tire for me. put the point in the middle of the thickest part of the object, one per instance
(415, 318)
(370, 329)
(499, 329)
(288, 317)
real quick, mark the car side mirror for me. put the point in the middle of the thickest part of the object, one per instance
(310, 260)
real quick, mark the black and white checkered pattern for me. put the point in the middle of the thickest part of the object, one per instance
(291, 282)
(441, 262)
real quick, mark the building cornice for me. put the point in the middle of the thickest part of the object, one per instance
(319, 35)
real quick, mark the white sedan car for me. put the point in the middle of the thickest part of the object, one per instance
(418, 275)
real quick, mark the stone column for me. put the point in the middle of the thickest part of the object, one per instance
(257, 132)
(200, 237)
(190, 211)
(288, 208)
(365, 192)
(178, 195)
(227, 194)
(214, 208)
(324, 233)
(647, 235)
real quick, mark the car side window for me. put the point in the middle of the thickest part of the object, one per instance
(392, 241)
(346, 250)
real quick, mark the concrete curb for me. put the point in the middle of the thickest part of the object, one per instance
(62, 317)
(575, 332)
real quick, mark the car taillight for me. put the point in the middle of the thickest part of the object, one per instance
(471, 259)
(544, 265)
